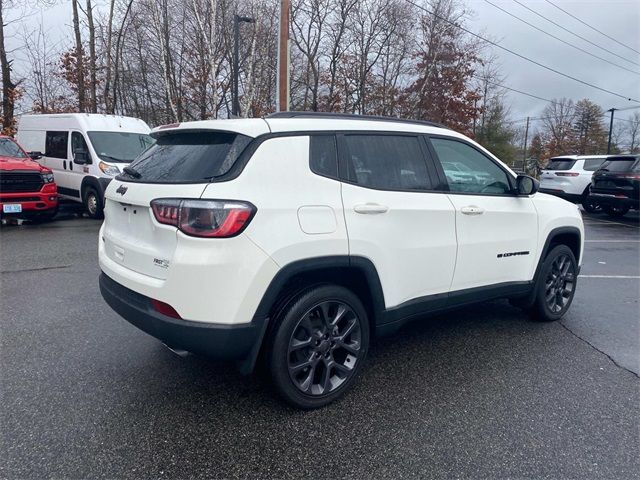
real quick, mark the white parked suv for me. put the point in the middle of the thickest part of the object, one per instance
(294, 239)
(569, 177)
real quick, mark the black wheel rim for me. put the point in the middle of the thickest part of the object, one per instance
(324, 348)
(560, 283)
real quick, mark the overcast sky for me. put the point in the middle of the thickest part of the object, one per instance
(619, 19)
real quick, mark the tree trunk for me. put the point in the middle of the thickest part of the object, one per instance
(7, 85)
(107, 79)
(79, 58)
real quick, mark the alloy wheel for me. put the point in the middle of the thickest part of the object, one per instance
(560, 283)
(324, 348)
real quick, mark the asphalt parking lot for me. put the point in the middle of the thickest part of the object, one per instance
(479, 392)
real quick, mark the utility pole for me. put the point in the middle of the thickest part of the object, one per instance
(235, 101)
(610, 129)
(283, 58)
(524, 150)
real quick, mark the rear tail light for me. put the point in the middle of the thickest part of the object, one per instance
(204, 218)
(567, 174)
(631, 176)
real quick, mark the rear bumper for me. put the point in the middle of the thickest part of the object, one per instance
(571, 197)
(224, 342)
(613, 200)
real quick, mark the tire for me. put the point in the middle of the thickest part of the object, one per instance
(556, 285)
(92, 203)
(312, 358)
(590, 206)
(616, 211)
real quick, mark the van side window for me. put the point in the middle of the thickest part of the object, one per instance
(387, 162)
(78, 143)
(323, 158)
(56, 144)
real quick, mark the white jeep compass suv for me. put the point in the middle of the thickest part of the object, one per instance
(296, 238)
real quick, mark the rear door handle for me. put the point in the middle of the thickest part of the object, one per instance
(370, 208)
(472, 210)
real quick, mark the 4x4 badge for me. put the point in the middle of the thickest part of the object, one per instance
(122, 190)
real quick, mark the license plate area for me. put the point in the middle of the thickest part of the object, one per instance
(11, 208)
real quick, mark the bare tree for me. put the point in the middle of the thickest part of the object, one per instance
(633, 133)
(79, 57)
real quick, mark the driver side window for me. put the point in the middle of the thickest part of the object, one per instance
(469, 171)
(79, 145)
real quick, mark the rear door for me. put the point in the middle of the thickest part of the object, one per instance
(393, 218)
(497, 232)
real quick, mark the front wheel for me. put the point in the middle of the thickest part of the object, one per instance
(318, 346)
(93, 203)
(616, 211)
(556, 285)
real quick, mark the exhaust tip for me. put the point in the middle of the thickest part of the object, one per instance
(178, 351)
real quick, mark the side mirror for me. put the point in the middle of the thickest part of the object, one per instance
(81, 157)
(35, 155)
(526, 185)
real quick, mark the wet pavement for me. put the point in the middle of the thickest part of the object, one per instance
(479, 392)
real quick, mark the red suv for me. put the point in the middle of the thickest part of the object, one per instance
(27, 189)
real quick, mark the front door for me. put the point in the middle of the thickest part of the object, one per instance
(496, 230)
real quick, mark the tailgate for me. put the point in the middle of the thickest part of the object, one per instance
(132, 236)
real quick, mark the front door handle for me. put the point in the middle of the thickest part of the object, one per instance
(370, 208)
(472, 210)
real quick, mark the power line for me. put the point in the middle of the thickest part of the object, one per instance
(575, 34)
(592, 27)
(520, 55)
(512, 89)
(560, 39)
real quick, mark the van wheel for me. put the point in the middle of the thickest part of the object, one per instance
(318, 346)
(92, 203)
(556, 285)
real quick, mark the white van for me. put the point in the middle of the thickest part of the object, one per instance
(84, 151)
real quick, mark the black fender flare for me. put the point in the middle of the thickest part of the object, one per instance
(94, 182)
(274, 291)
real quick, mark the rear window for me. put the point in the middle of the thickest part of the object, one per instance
(592, 164)
(560, 164)
(188, 157)
(618, 165)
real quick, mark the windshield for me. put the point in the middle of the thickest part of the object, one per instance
(560, 164)
(9, 148)
(119, 146)
(188, 157)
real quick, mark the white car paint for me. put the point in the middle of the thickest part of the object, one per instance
(572, 183)
(421, 243)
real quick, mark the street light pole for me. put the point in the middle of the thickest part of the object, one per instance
(610, 129)
(235, 101)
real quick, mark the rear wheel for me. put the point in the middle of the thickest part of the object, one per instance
(318, 346)
(92, 202)
(616, 211)
(556, 285)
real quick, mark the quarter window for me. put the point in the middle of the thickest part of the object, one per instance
(323, 158)
(56, 144)
(387, 162)
(469, 171)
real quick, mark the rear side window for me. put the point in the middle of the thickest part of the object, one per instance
(386, 162)
(560, 164)
(592, 164)
(56, 144)
(323, 157)
(618, 165)
(188, 157)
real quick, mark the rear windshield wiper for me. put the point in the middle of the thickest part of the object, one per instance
(131, 172)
